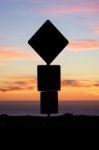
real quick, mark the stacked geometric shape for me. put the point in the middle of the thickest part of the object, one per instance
(49, 83)
(48, 42)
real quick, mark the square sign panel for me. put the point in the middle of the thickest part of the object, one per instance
(49, 102)
(48, 77)
(48, 42)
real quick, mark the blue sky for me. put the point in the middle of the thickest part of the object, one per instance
(77, 20)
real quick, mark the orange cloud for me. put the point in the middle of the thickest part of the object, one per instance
(18, 84)
(83, 45)
(80, 83)
(9, 54)
(89, 8)
(93, 92)
(10, 84)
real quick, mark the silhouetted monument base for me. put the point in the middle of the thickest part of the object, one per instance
(48, 77)
(49, 102)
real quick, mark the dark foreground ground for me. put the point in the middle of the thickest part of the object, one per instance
(40, 131)
(59, 132)
(66, 121)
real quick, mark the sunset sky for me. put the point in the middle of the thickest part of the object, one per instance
(77, 20)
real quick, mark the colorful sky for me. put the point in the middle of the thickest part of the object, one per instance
(77, 20)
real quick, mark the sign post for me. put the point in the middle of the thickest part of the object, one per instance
(48, 42)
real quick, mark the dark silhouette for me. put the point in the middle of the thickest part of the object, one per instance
(49, 82)
(48, 42)
(48, 78)
(61, 122)
(49, 102)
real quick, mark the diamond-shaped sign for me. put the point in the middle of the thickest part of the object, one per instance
(48, 42)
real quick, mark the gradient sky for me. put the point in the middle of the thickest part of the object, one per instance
(77, 20)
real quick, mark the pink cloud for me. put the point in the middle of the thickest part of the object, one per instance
(9, 54)
(89, 8)
(62, 8)
(83, 45)
(2, 64)
(94, 28)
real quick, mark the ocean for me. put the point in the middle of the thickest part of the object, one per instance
(14, 108)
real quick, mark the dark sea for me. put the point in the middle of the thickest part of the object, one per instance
(33, 108)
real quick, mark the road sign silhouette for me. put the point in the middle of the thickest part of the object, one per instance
(49, 102)
(48, 42)
(48, 77)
